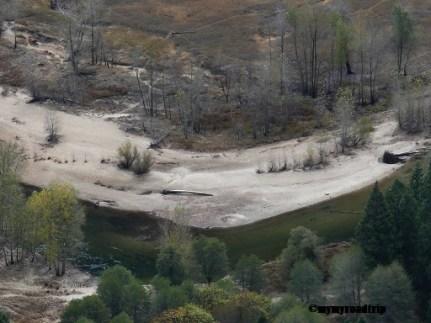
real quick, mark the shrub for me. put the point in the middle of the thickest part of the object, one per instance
(52, 128)
(127, 154)
(186, 314)
(90, 307)
(143, 163)
(362, 131)
(121, 318)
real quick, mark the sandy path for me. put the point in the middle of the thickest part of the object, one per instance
(240, 195)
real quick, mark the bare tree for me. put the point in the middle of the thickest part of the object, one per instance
(344, 112)
(75, 13)
(52, 127)
(309, 30)
(95, 9)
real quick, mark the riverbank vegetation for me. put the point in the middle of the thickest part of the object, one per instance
(386, 265)
(49, 222)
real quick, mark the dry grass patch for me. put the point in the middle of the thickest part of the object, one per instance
(129, 40)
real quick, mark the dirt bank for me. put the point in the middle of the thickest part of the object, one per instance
(240, 195)
(31, 293)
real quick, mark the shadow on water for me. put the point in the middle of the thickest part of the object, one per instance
(130, 239)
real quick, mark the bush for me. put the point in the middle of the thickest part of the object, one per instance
(187, 314)
(143, 163)
(127, 154)
(130, 158)
(52, 128)
(247, 307)
(120, 291)
(121, 318)
(90, 307)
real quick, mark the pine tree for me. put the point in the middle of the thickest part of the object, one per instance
(373, 231)
(416, 182)
(425, 198)
(403, 210)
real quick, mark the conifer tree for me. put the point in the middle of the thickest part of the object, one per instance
(373, 231)
(403, 210)
(416, 182)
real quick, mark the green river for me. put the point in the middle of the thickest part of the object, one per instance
(131, 239)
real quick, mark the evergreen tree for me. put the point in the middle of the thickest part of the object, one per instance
(416, 182)
(425, 209)
(373, 230)
(422, 273)
(403, 210)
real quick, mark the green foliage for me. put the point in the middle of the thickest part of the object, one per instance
(372, 231)
(170, 297)
(416, 182)
(211, 297)
(286, 303)
(403, 37)
(247, 307)
(249, 274)
(391, 286)
(186, 314)
(347, 276)
(4, 318)
(301, 245)
(305, 281)
(227, 284)
(14, 222)
(121, 292)
(211, 256)
(12, 158)
(84, 320)
(61, 216)
(121, 318)
(90, 307)
(299, 314)
(428, 315)
(403, 210)
(135, 301)
(170, 265)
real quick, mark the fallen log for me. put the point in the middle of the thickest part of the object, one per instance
(182, 192)
(391, 158)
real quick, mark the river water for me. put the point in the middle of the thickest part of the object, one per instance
(131, 239)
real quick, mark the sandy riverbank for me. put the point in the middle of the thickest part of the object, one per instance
(240, 195)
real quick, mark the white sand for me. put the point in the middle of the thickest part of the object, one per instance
(240, 195)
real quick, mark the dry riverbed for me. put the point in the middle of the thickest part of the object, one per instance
(85, 157)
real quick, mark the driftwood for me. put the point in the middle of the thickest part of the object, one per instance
(391, 158)
(182, 192)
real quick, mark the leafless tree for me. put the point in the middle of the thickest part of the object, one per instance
(310, 27)
(75, 13)
(52, 127)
